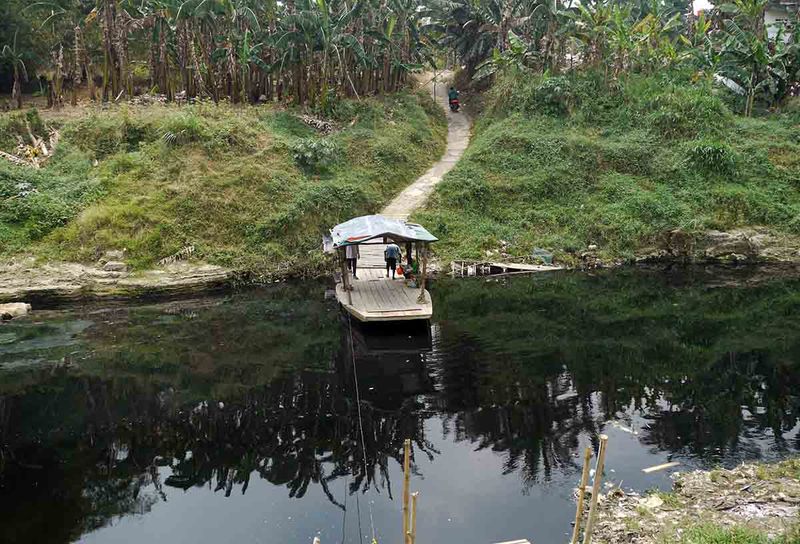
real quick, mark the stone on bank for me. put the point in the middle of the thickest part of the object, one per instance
(14, 309)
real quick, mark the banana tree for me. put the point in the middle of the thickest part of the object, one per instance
(13, 56)
(592, 26)
(554, 26)
(699, 48)
(752, 63)
(519, 55)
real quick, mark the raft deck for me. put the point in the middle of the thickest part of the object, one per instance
(376, 298)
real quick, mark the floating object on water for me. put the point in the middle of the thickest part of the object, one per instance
(566, 396)
(623, 428)
(543, 255)
(664, 466)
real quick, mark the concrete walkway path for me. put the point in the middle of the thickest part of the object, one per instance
(458, 129)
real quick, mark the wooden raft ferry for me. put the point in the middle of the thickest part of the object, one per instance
(372, 296)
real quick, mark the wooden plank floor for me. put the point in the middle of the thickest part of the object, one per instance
(376, 298)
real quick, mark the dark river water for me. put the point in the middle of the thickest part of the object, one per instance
(233, 418)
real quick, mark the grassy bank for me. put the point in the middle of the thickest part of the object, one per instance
(252, 188)
(564, 162)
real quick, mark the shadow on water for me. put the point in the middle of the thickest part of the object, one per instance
(107, 414)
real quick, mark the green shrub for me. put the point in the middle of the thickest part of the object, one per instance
(314, 153)
(550, 95)
(712, 157)
(687, 112)
(555, 95)
(34, 202)
(184, 128)
(100, 135)
(14, 128)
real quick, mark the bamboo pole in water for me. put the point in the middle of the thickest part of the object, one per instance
(414, 517)
(406, 484)
(598, 476)
(587, 456)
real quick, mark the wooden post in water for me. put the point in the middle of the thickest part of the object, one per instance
(598, 476)
(414, 517)
(345, 277)
(576, 531)
(423, 273)
(406, 484)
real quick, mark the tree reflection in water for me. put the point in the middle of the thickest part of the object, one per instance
(263, 387)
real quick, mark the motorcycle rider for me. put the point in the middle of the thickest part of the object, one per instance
(452, 94)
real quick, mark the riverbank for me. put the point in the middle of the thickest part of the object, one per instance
(753, 503)
(199, 194)
(649, 167)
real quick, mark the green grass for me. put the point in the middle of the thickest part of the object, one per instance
(227, 180)
(784, 469)
(710, 534)
(671, 500)
(563, 166)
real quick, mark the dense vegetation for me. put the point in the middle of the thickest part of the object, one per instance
(250, 188)
(564, 162)
(614, 123)
(240, 50)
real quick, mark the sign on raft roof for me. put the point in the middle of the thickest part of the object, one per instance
(362, 229)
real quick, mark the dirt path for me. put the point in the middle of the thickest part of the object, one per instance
(458, 128)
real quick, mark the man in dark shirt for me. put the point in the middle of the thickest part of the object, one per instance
(391, 254)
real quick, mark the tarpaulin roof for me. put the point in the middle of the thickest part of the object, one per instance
(362, 229)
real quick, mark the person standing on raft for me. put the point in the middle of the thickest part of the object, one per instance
(352, 254)
(391, 254)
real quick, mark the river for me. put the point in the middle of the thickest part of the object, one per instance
(233, 418)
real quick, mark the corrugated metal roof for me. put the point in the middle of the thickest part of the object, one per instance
(369, 227)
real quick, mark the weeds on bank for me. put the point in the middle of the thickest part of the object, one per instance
(252, 188)
(565, 165)
(711, 534)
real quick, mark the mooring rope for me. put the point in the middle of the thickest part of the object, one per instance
(360, 427)
(344, 508)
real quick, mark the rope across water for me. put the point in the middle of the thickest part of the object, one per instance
(360, 427)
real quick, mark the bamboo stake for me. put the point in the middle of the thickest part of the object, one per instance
(406, 484)
(587, 456)
(598, 476)
(424, 271)
(413, 538)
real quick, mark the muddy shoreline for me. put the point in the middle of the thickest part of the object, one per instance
(62, 283)
(26, 280)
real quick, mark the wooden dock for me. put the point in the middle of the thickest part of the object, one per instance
(375, 298)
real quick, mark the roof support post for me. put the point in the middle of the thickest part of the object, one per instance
(423, 274)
